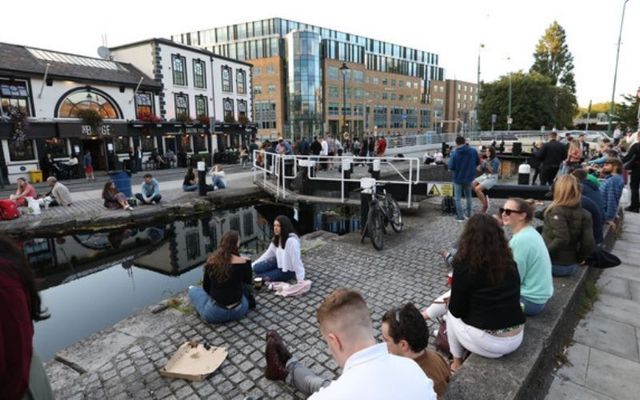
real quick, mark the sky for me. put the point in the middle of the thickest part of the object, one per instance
(454, 29)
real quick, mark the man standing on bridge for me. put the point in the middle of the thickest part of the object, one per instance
(552, 154)
(463, 163)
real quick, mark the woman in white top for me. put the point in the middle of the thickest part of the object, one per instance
(281, 261)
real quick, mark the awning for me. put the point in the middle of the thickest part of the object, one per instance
(33, 130)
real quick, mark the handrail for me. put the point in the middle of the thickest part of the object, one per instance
(270, 160)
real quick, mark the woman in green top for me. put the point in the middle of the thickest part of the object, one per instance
(531, 256)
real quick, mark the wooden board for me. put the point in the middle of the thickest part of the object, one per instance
(194, 362)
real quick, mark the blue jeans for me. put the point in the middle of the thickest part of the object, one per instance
(218, 183)
(531, 308)
(189, 188)
(458, 188)
(563, 270)
(269, 269)
(213, 313)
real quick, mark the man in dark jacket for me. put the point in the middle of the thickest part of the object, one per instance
(632, 160)
(589, 189)
(463, 163)
(552, 154)
(303, 147)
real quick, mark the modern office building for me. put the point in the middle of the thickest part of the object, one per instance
(309, 79)
(453, 104)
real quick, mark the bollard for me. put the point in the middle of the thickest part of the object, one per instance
(524, 172)
(202, 178)
(375, 170)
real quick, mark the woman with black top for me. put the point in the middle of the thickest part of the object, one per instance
(113, 199)
(190, 183)
(484, 315)
(223, 296)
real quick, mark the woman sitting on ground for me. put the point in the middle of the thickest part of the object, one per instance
(281, 261)
(218, 177)
(23, 191)
(113, 199)
(530, 254)
(567, 229)
(484, 314)
(190, 183)
(223, 296)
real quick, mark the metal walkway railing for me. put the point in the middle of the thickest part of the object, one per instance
(405, 171)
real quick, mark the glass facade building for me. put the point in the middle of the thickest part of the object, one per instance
(386, 87)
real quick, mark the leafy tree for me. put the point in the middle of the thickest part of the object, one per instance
(627, 112)
(536, 101)
(553, 59)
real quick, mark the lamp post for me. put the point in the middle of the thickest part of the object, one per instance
(509, 110)
(615, 73)
(344, 69)
(478, 92)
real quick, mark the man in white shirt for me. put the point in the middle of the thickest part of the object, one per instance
(369, 371)
(324, 152)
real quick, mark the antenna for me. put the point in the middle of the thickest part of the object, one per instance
(104, 53)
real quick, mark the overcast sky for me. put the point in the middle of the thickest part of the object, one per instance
(451, 28)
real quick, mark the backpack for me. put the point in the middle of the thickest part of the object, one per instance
(8, 210)
(448, 206)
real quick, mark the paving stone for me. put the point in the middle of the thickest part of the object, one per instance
(618, 309)
(576, 368)
(615, 376)
(614, 286)
(562, 389)
(608, 335)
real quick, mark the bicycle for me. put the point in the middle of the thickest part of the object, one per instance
(383, 210)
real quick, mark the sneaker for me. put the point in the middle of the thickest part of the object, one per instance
(154, 202)
(461, 219)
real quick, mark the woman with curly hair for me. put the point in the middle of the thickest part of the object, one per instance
(484, 315)
(223, 296)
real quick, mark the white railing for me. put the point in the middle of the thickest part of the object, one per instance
(407, 170)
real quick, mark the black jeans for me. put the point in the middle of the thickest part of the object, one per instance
(634, 185)
(548, 174)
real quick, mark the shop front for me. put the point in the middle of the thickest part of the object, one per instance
(108, 143)
(20, 154)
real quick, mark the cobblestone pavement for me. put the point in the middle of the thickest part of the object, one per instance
(408, 269)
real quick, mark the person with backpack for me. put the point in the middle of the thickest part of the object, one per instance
(463, 163)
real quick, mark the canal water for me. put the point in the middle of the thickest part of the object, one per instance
(89, 282)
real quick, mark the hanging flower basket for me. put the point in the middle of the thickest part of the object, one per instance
(90, 117)
(18, 117)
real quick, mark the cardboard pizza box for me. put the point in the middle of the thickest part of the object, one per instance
(194, 361)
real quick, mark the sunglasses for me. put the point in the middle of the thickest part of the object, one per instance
(509, 211)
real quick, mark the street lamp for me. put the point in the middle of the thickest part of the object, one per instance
(478, 92)
(344, 69)
(615, 73)
(509, 111)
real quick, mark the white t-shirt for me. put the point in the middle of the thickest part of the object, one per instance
(288, 258)
(374, 374)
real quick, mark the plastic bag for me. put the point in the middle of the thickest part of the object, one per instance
(33, 206)
(625, 199)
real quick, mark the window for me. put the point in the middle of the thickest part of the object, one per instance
(201, 106)
(376, 81)
(199, 143)
(182, 104)
(393, 96)
(257, 71)
(21, 150)
(271, 88)
(358, 109)
(333, 91)
(384, 82)
(227, 80)
(56, 147)
(147, 143)
(234, 223)
(357, 93)
(333, 73)
(400, 83)
(179, 71)
(241, 81)
(83, 99)
(121, 145)
(271, 70)
(192, 243)
(199, 74)
(227, 104)
(242, 109)
(257, 90)
(358, 76)
(333, 109)
(401, 97)
(265, 114)
(14, 93)
(144, 104)
(385, 95)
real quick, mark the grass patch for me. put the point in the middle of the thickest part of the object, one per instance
(588, 298)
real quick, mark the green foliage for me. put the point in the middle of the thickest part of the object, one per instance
(229, 119)
(553, 59)
(90, 117)
(627, 112)
(536, 101)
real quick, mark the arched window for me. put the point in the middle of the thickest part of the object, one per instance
(86, 98)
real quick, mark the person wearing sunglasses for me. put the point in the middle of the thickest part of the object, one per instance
(531, 256)
(567, 229)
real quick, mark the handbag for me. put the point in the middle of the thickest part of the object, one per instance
(442, 342)
(601, 258)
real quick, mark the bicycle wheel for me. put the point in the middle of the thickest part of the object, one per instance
(374, 228)
(395, 216)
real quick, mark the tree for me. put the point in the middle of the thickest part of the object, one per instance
(627, 112)
(553, 59)
(536, 101)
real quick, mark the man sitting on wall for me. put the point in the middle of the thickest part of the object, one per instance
(60, 195)
(150, 191)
